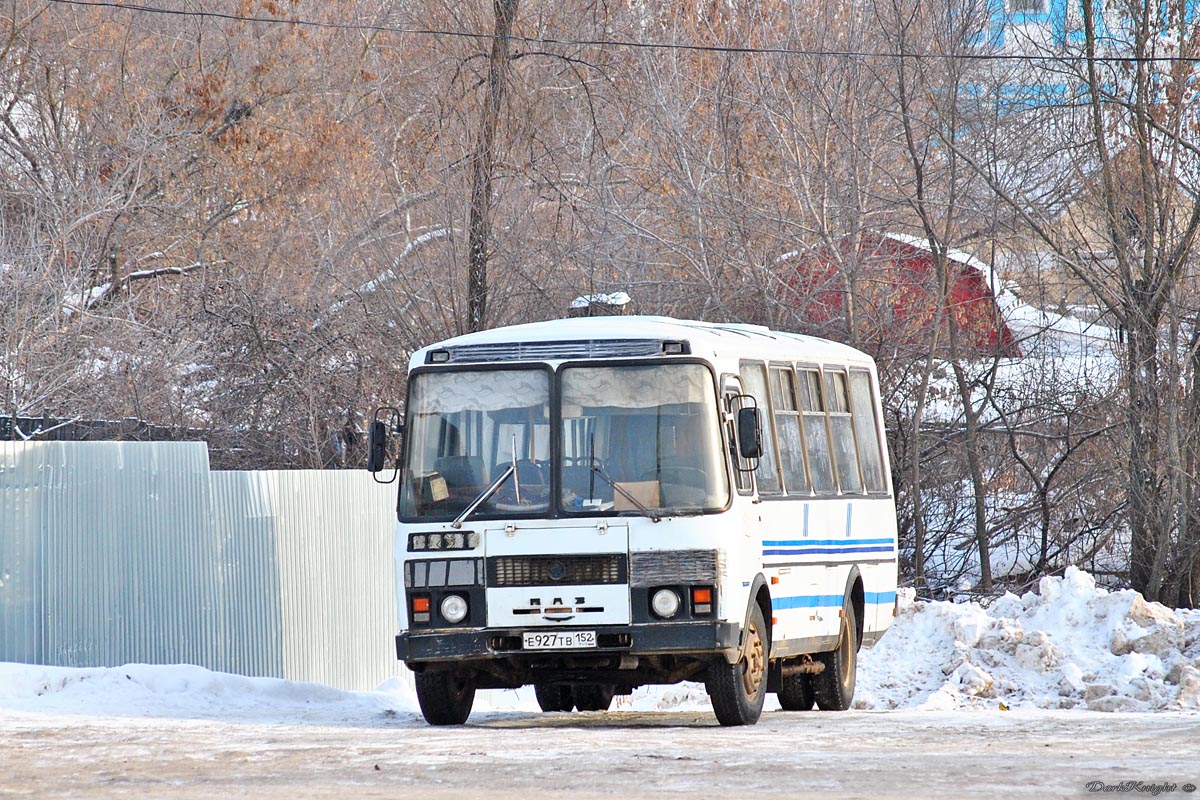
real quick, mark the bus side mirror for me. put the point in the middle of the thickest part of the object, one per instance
(377, 446)
(749, 433)
(387, 423)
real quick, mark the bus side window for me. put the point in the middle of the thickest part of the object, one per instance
(812, 408)
(866, 430)
(840, 427)
(787, 426)
(754, 382)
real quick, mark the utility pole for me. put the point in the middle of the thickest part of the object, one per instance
(483, 161)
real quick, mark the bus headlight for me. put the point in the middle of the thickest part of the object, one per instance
(454, 608)
(665, 603)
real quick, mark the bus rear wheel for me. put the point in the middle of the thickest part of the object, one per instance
(737, 690)
(445, 696)
(594, 696)
(833, 687)
(796, 692)
(554, 696)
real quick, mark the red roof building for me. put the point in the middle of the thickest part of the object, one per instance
(896, 295)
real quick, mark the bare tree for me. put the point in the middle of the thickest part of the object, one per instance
(1124, 220)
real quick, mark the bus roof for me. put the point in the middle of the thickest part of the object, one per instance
(631, 336)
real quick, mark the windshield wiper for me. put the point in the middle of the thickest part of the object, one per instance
(486, 494)
(646, 512)
(483, 497)
(596, 470)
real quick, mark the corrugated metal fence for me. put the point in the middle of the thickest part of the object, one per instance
(123, 552)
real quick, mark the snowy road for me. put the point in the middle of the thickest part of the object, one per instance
(618, 754)
(180, 731)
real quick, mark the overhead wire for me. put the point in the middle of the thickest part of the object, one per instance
(617, 43)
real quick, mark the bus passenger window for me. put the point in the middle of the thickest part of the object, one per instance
(840, 425)
(812, 406)
(866, 430)
(787, 425)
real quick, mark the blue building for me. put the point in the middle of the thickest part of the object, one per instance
(1040, 39)
(1017, 25)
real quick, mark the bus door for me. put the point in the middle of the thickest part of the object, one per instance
(743, 477)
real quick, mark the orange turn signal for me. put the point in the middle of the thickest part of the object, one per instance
(702, 595)
(420, 605)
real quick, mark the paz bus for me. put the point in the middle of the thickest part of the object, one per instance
(590, 505)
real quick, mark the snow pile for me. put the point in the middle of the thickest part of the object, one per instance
(182, 691)
(614, 299)
(1069, 645)
(685, 696)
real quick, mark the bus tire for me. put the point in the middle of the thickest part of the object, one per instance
(445, 696)
(796, 692)
(737, 691)
(554, 696)
(594, 696)
(833, 687)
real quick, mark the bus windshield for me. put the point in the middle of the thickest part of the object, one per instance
(648, 434)
(464, 429)
(633, 438)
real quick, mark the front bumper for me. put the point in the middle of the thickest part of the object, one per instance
(659, 638)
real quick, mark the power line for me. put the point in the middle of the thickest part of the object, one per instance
(616, 43)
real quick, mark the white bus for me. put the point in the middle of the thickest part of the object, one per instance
(591, 505)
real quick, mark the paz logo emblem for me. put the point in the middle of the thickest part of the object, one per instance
(556, 571)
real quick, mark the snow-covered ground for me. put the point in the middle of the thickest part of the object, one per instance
(930, 723)
(1070, 645)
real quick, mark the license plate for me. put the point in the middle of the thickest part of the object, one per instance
(558, 640)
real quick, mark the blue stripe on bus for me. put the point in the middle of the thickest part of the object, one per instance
(794, 547)
(808, 542)
(807, 601)
(808, 551)
(828, 600)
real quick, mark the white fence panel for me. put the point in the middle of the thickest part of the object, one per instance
(335, 544)
(243, 519)
(119, 552)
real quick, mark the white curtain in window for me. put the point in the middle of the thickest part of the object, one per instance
(636, 387)
(482, 390)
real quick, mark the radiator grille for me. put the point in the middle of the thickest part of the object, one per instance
(674, 566)
(556, 570)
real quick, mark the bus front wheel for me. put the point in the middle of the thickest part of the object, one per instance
(445, 696)
(737, 690)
